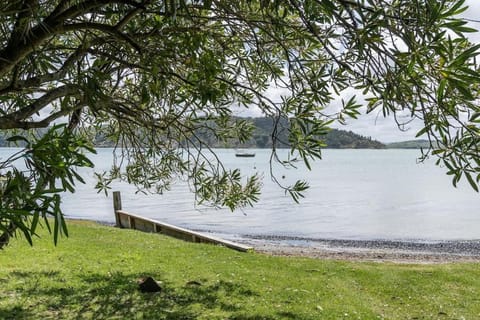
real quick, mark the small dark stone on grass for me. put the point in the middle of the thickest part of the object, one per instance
(148, 284)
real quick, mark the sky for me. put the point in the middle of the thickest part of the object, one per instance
(385, 129)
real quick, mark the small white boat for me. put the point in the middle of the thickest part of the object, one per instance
(244, 154)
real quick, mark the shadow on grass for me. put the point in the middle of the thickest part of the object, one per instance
(96, 296)
(15, 312)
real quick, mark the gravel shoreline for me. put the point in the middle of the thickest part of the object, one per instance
(398, 251)
(368, 250)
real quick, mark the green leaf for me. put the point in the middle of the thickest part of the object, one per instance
(16, 139)
(57, 218)
(471, 181)
(422, 131)
(441, 90)
(34, 223)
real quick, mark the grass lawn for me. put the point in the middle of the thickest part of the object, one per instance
(93, 275)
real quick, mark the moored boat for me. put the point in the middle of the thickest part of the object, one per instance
(244, 154)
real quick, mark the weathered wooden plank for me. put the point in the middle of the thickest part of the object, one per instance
(123, 221)
(150, 225)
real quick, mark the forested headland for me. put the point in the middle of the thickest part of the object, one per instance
(261, 137)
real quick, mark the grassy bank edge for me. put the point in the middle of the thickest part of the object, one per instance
(93, 275)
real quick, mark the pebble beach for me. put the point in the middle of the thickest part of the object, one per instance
(370, 250)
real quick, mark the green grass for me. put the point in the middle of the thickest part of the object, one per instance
(93, 275)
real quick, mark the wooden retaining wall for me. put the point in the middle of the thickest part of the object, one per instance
(129, 220)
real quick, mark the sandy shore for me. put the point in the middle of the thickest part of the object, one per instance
(371, 250)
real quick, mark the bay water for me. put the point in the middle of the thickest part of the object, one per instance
(354, 194)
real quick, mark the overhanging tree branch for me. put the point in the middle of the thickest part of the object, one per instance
(18, 117)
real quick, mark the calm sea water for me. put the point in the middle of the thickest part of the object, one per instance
(354, 194)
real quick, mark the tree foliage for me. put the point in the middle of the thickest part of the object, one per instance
(151, 73)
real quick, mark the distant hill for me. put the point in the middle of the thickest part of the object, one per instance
(335, 139)
(341, 139)
(410, 144)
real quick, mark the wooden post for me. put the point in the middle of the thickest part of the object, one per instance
(117, 205)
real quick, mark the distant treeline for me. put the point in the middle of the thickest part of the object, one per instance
(262, 138)
(411, 144)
